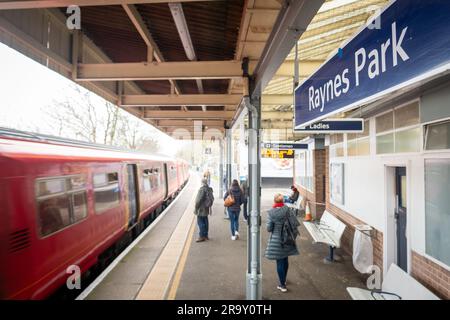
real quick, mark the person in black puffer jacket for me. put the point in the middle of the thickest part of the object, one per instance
(235, 209)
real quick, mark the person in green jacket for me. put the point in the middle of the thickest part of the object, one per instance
(203, 204)
(275, 249)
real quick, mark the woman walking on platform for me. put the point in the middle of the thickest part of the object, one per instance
(234, 198)
(276, 249)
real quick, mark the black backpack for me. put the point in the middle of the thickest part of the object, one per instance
(289, 230)
(209, 199)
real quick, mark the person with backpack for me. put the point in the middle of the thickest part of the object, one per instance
(233, 199)
(203, 204)
(283, 225)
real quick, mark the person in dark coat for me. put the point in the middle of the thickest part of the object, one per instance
(244, 188)
(202, 210)
(275, 250)
(235, 209)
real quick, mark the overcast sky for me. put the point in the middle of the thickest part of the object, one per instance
(27, 87)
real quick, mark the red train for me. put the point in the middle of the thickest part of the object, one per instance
(66, 203)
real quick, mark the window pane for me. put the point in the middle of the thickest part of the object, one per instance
(146, 182)
(407, 115)
(53, 214)
(336, 138)
(385, 122)
(79, 206)
(408, 140)
(106, 197)
(438, 136)
(352, 148)
(437, 209)
(309, 170)
(48, 187)
(113, 177)
(100, 179)
(77, 182)
(385, 143)
(337, 150)
(364, 147)
(300, 166)
(403, 200)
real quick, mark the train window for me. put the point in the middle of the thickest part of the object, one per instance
(146, 180)
(48, 187)
(106, 191)
(151, 179)
(61, 202)
(173, 172)
(155, 178)
(79, 206)
(53, 214)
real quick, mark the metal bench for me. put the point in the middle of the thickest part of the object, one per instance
(397, 285)
(328, 230)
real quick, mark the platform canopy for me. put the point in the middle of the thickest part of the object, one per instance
(174, 62)
(334, 23)
(167, 62)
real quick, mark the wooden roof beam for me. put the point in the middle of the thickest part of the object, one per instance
(158, 114)
(177, 100)
(189, 70)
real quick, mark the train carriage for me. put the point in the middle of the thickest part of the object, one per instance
(66, 203)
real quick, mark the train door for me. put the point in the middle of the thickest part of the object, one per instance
(166, 181)
(133, 201)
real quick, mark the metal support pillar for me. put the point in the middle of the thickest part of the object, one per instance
(221, 168)
(228, 166)
(254, 276)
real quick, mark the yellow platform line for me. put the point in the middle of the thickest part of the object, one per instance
(157, 283)
(177, 278)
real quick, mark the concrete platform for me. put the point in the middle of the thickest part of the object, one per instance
(167, 263)
(129, 277)
(216, 269)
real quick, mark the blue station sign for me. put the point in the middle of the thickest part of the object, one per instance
(348, 125)
(407, 42)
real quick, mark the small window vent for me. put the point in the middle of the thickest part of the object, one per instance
(19, 240)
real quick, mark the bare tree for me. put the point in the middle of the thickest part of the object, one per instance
(79, 116)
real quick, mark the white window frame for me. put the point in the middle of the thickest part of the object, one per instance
(394, 130)
(437, 151)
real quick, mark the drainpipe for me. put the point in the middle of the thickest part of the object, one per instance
(254, 276)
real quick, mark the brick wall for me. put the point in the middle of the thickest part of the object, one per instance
(350, 221)
(431, 275)
(349, 233)
(320, 167)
